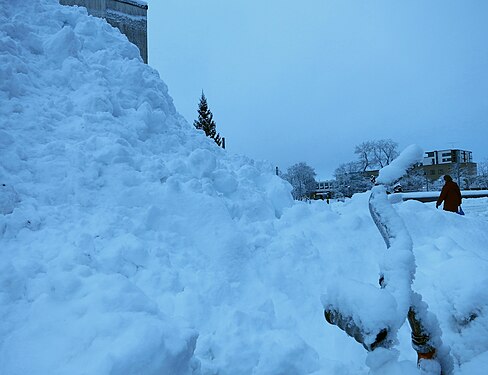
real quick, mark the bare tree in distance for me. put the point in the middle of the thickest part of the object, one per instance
(365, 154)
(376, 154)
(302, 177)
(386, 150)
(345, 168)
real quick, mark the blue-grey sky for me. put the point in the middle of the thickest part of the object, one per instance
(291, 81)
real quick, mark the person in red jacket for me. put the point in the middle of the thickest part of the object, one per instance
(450, 194)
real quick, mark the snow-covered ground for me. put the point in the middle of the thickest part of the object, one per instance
(131, 244)
(433, 195)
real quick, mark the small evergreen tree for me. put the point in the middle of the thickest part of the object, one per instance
(205, 121)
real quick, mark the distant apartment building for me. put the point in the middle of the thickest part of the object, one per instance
(324, 189)
(457, 163)
(129, 16)
(325, 186)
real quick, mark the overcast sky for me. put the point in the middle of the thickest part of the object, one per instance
(290, 81)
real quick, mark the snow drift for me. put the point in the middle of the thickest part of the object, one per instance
(131, 244)
(101, 181)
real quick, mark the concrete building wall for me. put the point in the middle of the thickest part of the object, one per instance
(129, 16)
(447, 157)
(456, 163)
(457, 171)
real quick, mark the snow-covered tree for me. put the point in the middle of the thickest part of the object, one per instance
(205, 121)
(302, 177)
(414, 180)
(483, 168)
(481, 180)
(437, 184)
(351, 179)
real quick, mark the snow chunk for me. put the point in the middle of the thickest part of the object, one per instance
(385, 362)
(392, 172)
(202, 163)
(63, 44)
(224, 182)
(8, 199)
(370, 308)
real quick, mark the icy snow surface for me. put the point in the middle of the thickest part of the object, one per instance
(131, 244)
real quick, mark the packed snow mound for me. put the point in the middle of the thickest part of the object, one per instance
(101, 179)
(398, 168)
(132, 244)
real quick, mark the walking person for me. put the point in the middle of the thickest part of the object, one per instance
(450, 194)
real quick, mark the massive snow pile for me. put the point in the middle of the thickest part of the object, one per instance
(131, 244)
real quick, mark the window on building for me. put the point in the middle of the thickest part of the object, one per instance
(430, 154)
(455, 155)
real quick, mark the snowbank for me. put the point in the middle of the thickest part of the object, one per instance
(131, 244)
(101, 181)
